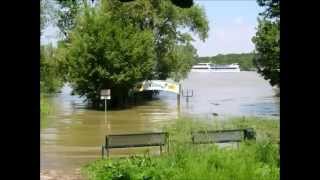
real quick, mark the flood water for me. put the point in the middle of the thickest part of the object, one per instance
(73, 134)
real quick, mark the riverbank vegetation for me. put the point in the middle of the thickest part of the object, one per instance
(245, 60)
(114, 45)
(252, 160)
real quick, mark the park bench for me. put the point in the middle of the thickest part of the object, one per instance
(222, 136)
(135, 140)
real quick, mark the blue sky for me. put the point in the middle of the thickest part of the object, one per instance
(232, 24)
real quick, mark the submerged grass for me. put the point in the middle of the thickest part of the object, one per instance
(252, 160)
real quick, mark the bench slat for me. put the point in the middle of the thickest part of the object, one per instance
(136, 140)
(217, 136)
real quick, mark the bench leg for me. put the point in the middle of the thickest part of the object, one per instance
(107, 153)
(160, 150)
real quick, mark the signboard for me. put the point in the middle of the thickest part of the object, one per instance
(105, 94)
(158, 85)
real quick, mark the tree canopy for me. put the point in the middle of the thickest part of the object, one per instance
(267, 42)
(69, 9)
(115, 45)
(50, 76)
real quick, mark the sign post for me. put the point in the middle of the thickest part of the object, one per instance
(105, 94)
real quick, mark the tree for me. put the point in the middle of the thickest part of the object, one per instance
(267, 42)
(66, 15)
(184, 57)
(115, 45)
(69, 9)
(272, 8)
(46, 14)
(179, 3)
(50, 78)
(43, 18)
(50, 81)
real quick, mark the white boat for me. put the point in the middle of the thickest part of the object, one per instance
(208, 67)
(225, 68)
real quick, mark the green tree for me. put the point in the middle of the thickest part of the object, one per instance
(115, 45)
(66, 15)
(69, 9)
(184, 56)
(43, 18)
(267, 42)
(50, 78)
(46, 14)
(179, 3)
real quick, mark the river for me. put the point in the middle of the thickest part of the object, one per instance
(73, 134)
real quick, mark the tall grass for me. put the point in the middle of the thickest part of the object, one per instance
(45, 110)
(252, 160)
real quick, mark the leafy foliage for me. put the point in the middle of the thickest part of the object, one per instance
(267, 42)
(69, 9)
(50, 78)
(46, 14)
(179, 3)
(272, 8)
(114, 45)
(267, 45)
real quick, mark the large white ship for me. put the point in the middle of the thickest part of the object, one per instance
(208, 67)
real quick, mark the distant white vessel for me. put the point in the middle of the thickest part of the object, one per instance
(208, 67)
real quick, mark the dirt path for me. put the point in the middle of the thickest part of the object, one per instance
(61, 175)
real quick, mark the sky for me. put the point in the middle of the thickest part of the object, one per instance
(232, 24)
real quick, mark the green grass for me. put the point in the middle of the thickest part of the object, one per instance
(252, 160)
(45, 110)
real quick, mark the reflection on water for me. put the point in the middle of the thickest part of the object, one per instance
(74, 134)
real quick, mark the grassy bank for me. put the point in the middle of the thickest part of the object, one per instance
(252, 160)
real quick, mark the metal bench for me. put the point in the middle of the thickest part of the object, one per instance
(222, 136)
(135, 140)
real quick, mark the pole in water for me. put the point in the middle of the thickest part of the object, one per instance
(105, 112)
(187, 99)
(178, 100)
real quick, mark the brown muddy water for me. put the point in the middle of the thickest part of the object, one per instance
(72, 135)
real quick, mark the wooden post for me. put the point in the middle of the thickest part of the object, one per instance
(168, 143)
(102, 151)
